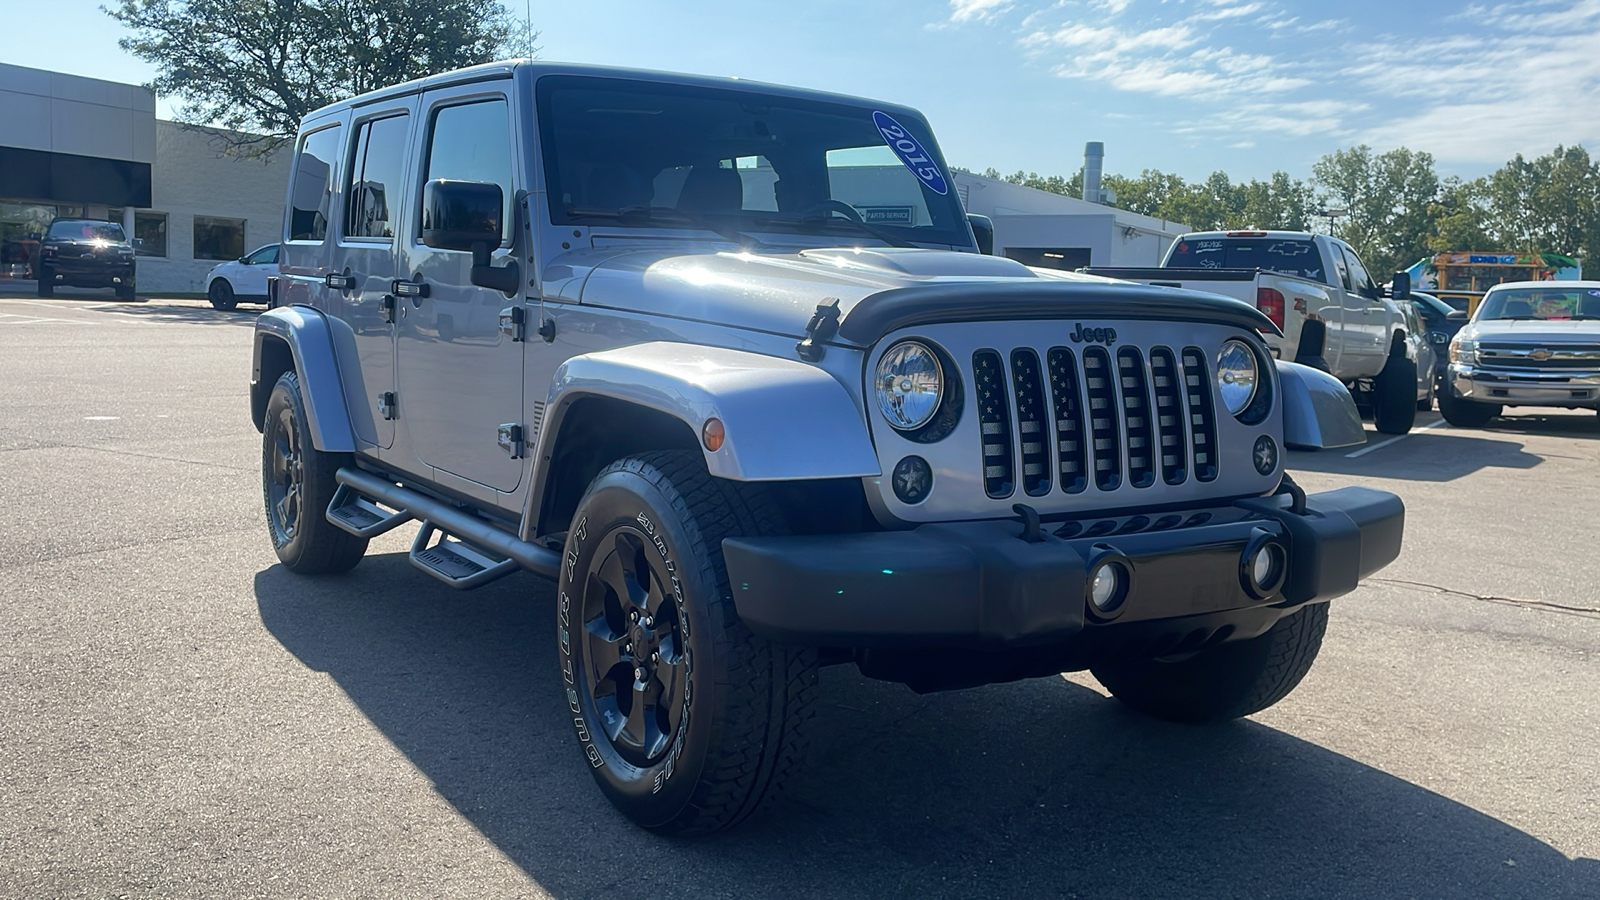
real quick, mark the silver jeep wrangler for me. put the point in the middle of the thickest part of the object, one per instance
(725, 362)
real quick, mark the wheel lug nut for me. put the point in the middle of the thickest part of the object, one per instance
(633, 615)
(627, 648)
(638, 674)
(655, 657)
(649, 622)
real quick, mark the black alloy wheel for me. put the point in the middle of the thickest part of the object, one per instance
(634, 646)
(297, 483)
(286, 474)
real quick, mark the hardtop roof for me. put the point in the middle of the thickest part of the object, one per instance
(537, 68)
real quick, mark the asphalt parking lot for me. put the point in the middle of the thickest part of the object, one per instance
(184, 718)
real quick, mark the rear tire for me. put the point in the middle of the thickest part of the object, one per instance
(1464, 413)
(1394, 401)
(688, 722)
(221, 295)
(297, 483)
(1227, 681)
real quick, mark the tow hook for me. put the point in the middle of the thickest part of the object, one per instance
(1030, 523)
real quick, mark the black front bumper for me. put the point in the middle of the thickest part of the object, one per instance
(979, 584)
(89, 272)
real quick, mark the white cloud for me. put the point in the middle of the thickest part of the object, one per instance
(982, 10)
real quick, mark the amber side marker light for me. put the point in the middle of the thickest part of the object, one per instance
(713, 434)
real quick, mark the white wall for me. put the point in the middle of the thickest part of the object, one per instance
(1027, 217)
(193, 176)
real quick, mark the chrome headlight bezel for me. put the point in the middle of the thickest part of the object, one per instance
(1229, 378)
(1463, 350)
(891, 398)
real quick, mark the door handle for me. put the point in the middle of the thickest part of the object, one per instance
(340, 282)
(416, 290)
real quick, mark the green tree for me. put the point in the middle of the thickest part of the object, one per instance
(1387, 199)
(258, 66)
(1548, 204)
(1460, 217)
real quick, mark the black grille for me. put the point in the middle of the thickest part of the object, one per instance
(1202, 422)
(1136, 415)
(1032, 420)
(1173, 456)
(994, 420)
(1072, 462)
(1143, 416)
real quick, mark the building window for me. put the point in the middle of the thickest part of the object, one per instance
(218, 238)
(150, 230)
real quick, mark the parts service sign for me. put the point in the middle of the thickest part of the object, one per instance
(918, 160)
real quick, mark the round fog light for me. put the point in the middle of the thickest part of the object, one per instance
(1264, 567)
(1106, 592)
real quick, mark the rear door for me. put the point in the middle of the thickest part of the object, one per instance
(460, 377)
(375, 201)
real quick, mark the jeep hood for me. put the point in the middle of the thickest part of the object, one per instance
(878, 289)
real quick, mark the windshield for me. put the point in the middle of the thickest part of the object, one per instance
(1541, 303)
(86, 231)
(1288, 257)
(650, 154)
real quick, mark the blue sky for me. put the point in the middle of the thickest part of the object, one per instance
(1185, 86)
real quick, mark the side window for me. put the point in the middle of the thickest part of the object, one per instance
(1360, 281)
(312, 194)
(472, 142)
(1344, 270)
(377, 172)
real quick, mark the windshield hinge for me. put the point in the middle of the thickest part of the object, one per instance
(509, 437)
(512, 321)
(824, 324)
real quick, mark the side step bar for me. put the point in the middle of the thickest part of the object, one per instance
(360, 516)
(461, 564)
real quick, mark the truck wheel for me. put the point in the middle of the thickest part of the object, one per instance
(689, 723)
(1464, 413)
(47, 281)
(1394, 404)
(221, 295)
(126, 291)
(297, 482)
(1226, 681)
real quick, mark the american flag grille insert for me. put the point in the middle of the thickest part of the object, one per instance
(994, 421)
(1105, 436)
(1202, 423)
(1144, 416)
(1072, 455)
(1136, 415)
(1032, 422)
(1164, 378)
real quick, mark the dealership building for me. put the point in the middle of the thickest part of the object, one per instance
(72, 146)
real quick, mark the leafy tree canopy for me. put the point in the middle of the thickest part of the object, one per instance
(258, 66)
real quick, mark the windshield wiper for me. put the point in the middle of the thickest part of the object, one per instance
(829, 221)
(641, 215)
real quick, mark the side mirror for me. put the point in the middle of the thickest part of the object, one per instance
(1438, 337)
(982, 233)
(466, 215)
(1400, 287)
(1456, 315)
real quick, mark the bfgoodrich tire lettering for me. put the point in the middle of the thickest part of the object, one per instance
(297, 482)
(1226, 681)
(688, 722)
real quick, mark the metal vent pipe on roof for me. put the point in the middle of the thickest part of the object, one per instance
(1094, 155)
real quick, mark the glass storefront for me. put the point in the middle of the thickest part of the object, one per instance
(19, 221)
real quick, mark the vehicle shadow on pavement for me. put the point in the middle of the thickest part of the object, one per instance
(1583, 427)
(1422, 456)
(190, 315)
(1037, 789)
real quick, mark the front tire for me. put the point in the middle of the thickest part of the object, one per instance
(1464, 413)
(1394, 401)
(1227, 681)
(297, 483)
(221, 295)
(126, 291)
(47, 281)
(689, 723)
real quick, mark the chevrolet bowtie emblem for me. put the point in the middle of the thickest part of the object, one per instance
(1540, 354)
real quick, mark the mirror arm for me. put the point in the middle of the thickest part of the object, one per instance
(505, 279)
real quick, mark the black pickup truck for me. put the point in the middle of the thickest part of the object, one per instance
(85, 253)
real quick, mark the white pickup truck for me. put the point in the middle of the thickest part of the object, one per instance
(1316, 290)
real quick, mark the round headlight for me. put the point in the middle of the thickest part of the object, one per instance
(910, 384)
(1236, 375)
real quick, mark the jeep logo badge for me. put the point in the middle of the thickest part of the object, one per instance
(1082, 335)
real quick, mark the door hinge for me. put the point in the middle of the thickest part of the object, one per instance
(513, 322)
(510, 440)
(387, 407)
(386, 307)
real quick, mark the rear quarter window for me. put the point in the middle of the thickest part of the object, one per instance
(1286, 257)
(311, 195)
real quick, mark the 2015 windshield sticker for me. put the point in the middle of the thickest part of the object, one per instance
(918, 160)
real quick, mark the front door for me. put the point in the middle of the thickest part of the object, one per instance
(460, 377)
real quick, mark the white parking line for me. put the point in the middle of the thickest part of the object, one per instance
(1399, 437)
